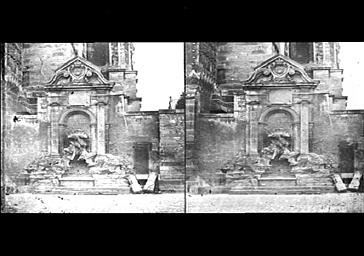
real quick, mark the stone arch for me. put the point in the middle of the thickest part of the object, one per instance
(68, 112)
(62, 124)
(295, 122)
(268, 111)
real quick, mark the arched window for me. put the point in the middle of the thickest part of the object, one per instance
(301, 52)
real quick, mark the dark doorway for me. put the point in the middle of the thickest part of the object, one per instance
(141, 158)
(301, 52)
(346, 156)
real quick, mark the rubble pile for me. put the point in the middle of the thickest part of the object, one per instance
(108, 171)
(242, 167)
(45, 169)
(311, 163)
(239, 162)
(10, 186)
(110, 164)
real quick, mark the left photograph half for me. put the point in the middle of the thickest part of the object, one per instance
(93, 127)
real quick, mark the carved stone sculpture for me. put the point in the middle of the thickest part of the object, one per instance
(279, 148)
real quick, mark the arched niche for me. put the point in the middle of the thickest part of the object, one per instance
(77, 119)
(278, 118)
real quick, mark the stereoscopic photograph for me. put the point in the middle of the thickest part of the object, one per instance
(184, 127)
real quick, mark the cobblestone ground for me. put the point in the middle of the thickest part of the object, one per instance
(325, 203)
(174, 203)
(124, 203)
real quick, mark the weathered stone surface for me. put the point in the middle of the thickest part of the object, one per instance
(134, 185)
(150, 184)
(340, 186)
(355, 182)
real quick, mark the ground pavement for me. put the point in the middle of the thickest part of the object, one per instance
(174, 203)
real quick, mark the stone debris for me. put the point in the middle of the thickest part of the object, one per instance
(355, 182)
(134, 185)
(108, 171)
(10, 186)
(45, 171)
(149, 187)
(340, 186)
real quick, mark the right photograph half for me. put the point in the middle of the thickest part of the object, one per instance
(274, 127)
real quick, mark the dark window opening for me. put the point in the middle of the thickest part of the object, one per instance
(98, 53)
(301, 52)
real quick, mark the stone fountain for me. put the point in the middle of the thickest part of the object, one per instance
(277, 166)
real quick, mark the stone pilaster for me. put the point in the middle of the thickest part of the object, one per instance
(190, 122)
(101, 128)
(304, 118)
(253, 127)
(297, 143)
(93, 138)
(54, 137)
(253, 140)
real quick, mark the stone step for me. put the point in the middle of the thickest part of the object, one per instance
(283, 190)
(279, 182)
(274, 192)
(308, 184)
(172, 185)
(83, 191)
(110, 183)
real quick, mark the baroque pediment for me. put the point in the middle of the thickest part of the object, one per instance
(78, 71)
(279, 70)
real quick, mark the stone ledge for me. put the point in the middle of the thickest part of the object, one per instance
(76, 179)
(276, 178)
(76, 182)
(350, 111)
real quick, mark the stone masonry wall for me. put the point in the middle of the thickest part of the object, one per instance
(236, 61)
(331, 128)
(42, 59)
(171, 144)
(164, 130)
(22, 145)
(219, 138)
(133, 127)
(20, 133)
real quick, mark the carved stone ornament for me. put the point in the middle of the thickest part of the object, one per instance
(279, 69)
(78, 71)
(193, 77)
